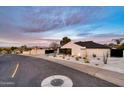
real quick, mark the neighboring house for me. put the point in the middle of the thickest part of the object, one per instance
(114, 42)
(88, 48)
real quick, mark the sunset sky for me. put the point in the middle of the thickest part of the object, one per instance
(41, 25)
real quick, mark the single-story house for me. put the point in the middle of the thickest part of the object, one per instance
(87, 48)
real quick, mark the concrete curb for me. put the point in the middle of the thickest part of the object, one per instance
(107, 75)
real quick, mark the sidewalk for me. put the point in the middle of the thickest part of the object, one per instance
(110, 76)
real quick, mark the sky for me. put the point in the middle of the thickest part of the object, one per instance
(39, 26)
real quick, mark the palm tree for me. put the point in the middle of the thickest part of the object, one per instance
(118, 41)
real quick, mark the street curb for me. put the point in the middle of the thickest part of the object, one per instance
(107, 75)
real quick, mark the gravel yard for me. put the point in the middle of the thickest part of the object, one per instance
(113, 64)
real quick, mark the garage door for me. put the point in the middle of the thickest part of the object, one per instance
(116, 53)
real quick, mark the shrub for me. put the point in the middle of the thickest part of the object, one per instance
(63, 57)
(54, 56)
(96, 64)
(86, 61)
(77, 58)
(98, 58)
(80, 57)
(94, 55)
(72, 56)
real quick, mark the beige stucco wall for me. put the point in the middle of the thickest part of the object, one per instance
(82, 51)
(76, 50)
(26, 52)
(97, 52)
(37, 51)
(34, 52)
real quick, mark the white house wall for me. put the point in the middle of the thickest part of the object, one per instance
(97, 52)
(76, 49)
(82, 51)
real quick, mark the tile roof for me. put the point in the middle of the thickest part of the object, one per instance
(91, 44)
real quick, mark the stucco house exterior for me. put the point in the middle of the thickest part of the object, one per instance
(88, 48)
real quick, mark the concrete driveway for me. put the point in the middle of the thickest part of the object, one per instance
(23, 71)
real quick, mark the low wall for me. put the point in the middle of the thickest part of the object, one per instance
(34, 52)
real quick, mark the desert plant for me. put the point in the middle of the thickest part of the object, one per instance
(77, 58)
(86, 61)
(94, 55)
(72, 56)
(98, 58)
(63, 57)
(96, 64)
(80, 57)
(54, 55)
(105, 58)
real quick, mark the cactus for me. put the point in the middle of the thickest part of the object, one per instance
(105, 58)
(86, 60)
(77, 58)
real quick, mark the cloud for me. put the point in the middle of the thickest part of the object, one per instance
(108, 35)
(84, 34)
(26, 24)
(44, 19)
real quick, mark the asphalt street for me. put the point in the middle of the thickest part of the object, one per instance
(23, 71)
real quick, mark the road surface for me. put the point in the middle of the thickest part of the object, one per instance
(23, 71)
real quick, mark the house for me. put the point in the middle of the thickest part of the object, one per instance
(88, 48)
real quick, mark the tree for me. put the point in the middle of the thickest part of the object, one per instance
(23, 48)
(13, 48)
(54, 45)
(118, 41)
(8, 50)
(121, 46)
(0, 50)
(64, 41)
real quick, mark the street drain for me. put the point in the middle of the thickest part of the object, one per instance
(57, 81)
